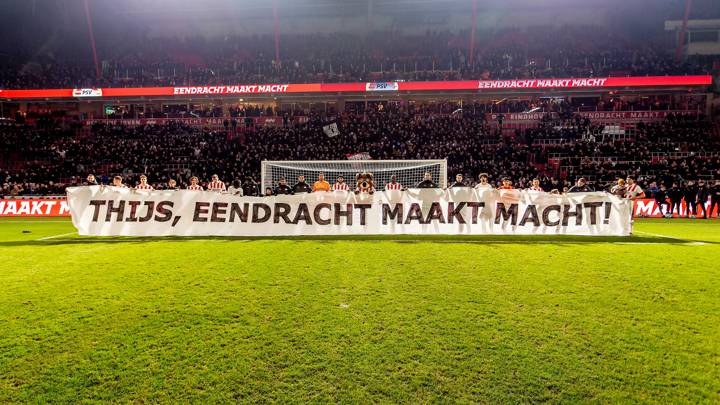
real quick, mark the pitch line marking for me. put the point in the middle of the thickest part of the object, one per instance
(657, 235)
(687, 241)
(56, 236)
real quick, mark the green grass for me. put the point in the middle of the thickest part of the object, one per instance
(417, 319)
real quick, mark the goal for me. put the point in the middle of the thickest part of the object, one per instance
(408, 172)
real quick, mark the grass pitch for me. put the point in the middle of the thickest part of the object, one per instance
(402, 319)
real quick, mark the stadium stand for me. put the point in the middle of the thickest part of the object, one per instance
(45, 157)
(44, 151)
(568, 51)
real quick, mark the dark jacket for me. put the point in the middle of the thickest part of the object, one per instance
(702, 194)
(675, 194)
(579, 189)
(426, 184)
(660, 196)
(250, 189)
(715, 193)
(283, 189)
(302, 188)
(690, 193)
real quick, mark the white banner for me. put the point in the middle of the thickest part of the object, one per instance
(110, 211)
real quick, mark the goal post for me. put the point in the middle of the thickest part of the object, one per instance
(408, 172)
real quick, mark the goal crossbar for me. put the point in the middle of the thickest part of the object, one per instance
(407, 172)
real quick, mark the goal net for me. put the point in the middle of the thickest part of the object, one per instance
(407, 172)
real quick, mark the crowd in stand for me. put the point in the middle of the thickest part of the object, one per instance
(529, 104)
(570, 51)
(48, 156)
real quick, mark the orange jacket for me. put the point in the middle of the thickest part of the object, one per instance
(321, 185)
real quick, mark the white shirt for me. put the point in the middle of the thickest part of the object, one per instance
(486, 186)
(235, 191)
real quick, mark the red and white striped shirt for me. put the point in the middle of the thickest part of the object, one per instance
(340, 187)
(216, 186)
(142, 186)
(195, 187)
(633, 191)
(393, 186)
(533, 188)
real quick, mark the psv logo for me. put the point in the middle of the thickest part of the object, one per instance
(87, 92)
(381, 86)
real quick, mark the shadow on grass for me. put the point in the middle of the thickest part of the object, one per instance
(481, 239)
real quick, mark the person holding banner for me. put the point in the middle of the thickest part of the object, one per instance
(506, 184)
(216, 184)
(195, 184)
(283, 187)
(340, 185)
(580, 187)
(91, 181)
(633, 190)
(619, 188)
(117, 182)
(250, 188)
(427, 181)
(535, 185)
(458, 181)
(301, 186)
(143, 184)
(321, 184)
(393, 185)
(483, 184)
(235, 188)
